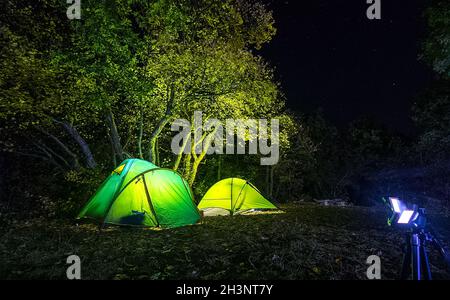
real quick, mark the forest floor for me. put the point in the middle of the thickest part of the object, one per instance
(302, 242)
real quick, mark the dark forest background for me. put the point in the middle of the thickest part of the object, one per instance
(77, 97)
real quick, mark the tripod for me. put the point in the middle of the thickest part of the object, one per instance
(415, 259)
(414, 221)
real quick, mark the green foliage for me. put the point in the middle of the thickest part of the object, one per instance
(431, 112)
(323, 162)
(30, 31)
(372, 145)
(324, 167)
(83, 185)
(78, 96)
(436, 48)
(291, 176)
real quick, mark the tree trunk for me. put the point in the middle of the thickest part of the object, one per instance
(113, 152)
(141, 132)
(153, 152)
(162, 123)
(90, 161)
(180, 154)
(271, 182)
(194, 171)
(52, 155)
(114, 134)
(198, 159)
(178, 161)
(219, 168)
(75, 163)
(187, 165)
(157, 152)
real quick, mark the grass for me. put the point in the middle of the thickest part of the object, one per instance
(304, 242)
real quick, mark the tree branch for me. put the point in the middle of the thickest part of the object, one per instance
(114, 134)
(75, 164)
(73, 132)
(162, 123)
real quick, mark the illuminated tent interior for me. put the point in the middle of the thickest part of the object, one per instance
(233, 196)
(141, 194)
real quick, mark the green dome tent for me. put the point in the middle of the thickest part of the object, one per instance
(140, 193)
(232, 196)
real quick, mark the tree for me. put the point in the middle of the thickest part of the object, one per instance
(436, 48)
(30, 91)
(125, 70)
(202, 54)
(431, 111)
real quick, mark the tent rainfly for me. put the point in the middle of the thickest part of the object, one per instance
(233, 196)
(142, 194)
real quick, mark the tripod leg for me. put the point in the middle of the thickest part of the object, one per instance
(406, 266)
(416, 255)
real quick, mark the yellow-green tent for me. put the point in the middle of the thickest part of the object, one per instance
(139, 193)
(233, 196)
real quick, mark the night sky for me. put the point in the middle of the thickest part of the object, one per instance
(328, 55)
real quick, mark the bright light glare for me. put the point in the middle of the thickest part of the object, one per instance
(395, 202)
(405, 217)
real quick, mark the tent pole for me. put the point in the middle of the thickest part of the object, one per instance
(149, 199)
(231, 197)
